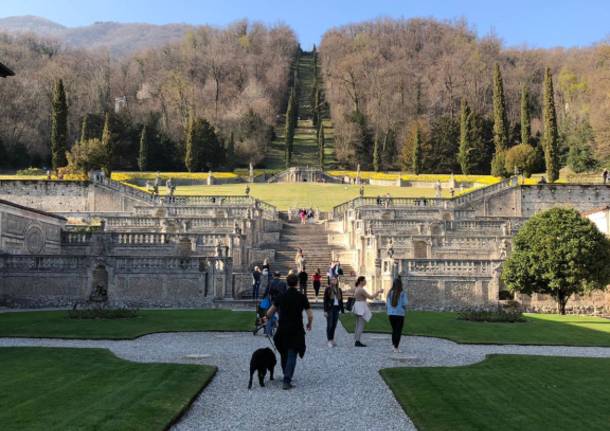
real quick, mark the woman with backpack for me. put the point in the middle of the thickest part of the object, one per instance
(333, 305)
(396, 306)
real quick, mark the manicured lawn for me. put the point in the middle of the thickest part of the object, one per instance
(506, 392)
(69, 389)
(551, 329)
(56, 324)
(321, 196)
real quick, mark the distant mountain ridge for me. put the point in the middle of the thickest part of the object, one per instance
(119, 38)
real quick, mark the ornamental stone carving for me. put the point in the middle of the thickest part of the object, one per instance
(34, 239)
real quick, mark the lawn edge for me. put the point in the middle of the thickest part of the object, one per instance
(38, 337)
(178, 416)
(481, 343)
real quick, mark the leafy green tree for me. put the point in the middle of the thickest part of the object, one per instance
(522, 158)
(550, 137)
(203, 149)
(143, 152)
(467, 149)
(87, 155)
(59, 125)
(107, 144)
(321, 144)
(191, 155)
(526, 124)
(231, 151)
(560, 253)
(290, 126)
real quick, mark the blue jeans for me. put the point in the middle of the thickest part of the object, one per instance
(331, 322)
(269, 325)
(255, 288)
(289, 362)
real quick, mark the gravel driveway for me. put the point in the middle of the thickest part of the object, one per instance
(336, 388)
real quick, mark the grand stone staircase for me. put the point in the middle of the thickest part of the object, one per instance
(313, 239)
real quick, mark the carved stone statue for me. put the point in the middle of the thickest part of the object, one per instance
(218, 249)
(390, 248)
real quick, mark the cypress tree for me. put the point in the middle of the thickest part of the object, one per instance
(499, 106)
(59, 126)
(190, 155)
(290, 125)
(84, 128)
(526, 126)
(362, 141)
(416, 162)
(376, 153)
(500, 127)
(321, 144)
(231, 151)
(107, 146)
(467, 144)
(550, 137)
(143, 153)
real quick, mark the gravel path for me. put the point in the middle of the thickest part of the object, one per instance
(336, 388)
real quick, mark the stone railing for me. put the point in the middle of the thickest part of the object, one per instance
(75, 237)
(485, 192)
(147, 238)
(301, 175)
(136, 222)
(100, 179)
(446, 267)
(38, 263)
(384, 202)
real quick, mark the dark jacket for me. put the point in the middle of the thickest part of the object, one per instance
(328, 300)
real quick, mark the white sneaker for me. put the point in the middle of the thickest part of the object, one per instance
(395, 350)
(334, 344)
(330, 344)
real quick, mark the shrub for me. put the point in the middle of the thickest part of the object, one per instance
(31, 171)
(492, 316)
(522, 157)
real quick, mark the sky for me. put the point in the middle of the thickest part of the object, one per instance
(532, 23)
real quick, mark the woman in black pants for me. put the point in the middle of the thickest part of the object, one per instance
(333, 305)
(396, 306)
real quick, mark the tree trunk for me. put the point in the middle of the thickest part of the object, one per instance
(562, 300)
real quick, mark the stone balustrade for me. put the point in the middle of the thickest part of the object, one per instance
(447, 267)
(37, 263)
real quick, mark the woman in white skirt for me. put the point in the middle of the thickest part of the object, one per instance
(361, 308)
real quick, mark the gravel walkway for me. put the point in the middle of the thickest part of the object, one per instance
(338, 388)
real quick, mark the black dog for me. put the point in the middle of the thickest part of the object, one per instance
(262, 360)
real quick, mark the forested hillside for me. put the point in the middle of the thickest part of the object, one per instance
(233, 78)
(388, 79)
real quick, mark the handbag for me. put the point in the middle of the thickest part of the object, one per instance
(349, 304)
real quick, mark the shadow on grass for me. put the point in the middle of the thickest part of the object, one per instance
(539, 329)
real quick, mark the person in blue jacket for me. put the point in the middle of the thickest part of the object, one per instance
(396, 305)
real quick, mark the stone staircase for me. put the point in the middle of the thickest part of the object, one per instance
(313, 239)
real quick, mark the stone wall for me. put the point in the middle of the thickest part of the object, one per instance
(52, 196)
(26, 231)
(59, 281)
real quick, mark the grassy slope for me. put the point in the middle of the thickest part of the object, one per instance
(69, 389)
(56, 324)
(507, 392)
(322, 196)
(305, 144)
(550, 329)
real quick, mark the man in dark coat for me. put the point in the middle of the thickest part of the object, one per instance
(290, 336)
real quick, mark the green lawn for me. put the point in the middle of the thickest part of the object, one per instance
(506, 392)
(314, 195)
(541, 329)
(69, 389)
(56, 324)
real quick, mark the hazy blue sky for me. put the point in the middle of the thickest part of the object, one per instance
(534, 22)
